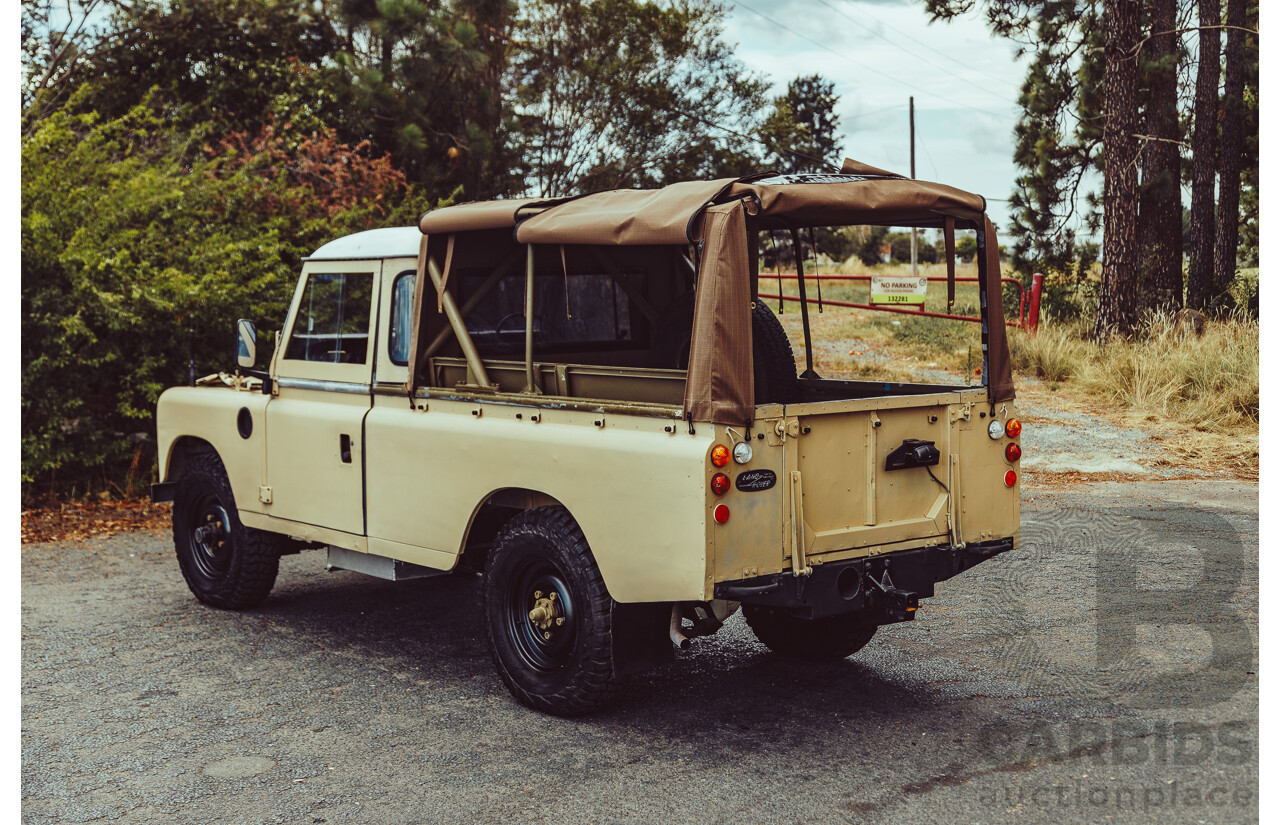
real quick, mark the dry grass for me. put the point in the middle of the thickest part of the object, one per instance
(1209, 383)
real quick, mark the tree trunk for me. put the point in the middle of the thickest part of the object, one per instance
(1228, 234)
(1200, 290)
(1117, 301)
(1160, 213)
(485, 177)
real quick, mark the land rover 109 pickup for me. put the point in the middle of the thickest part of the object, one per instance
(585, 401)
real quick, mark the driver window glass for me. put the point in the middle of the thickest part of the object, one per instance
(333, 319)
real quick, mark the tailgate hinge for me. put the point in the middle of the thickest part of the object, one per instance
(264, 494)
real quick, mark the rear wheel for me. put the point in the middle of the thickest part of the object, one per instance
(548, 615)
(817, 640)
(225, 564)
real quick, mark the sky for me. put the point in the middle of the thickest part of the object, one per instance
(880, 52)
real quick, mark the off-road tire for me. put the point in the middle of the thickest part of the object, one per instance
(817, 640)
(233, 567)
(543, 550)
(771, 356)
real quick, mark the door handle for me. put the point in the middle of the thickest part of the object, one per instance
(344, 447)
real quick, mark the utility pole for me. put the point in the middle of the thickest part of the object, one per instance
(911, 102)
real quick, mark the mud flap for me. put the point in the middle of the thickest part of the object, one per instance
(640, 637)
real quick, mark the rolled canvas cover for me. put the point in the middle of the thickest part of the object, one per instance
(619, 217)
(476, 215)
(720, 384)
(856, 167)
(845, 200)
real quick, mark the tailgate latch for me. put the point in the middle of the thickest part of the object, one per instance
(913, 453)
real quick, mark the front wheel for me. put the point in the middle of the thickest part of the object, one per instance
(225, 564)
(548, 616)
(817, 640)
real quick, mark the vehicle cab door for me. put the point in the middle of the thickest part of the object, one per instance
(315, 421)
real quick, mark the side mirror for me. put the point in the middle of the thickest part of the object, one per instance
(246, 344)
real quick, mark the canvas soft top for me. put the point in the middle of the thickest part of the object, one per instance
(717, 215)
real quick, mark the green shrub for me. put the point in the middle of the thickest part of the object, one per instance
(131, 234)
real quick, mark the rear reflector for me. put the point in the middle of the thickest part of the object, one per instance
(1013, 452)
(719, 484)
(721, 514)
(1010, 479)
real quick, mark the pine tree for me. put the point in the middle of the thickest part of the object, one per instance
(1228, 228)
(1201, 287)
(1160, 211)
(1117, 300)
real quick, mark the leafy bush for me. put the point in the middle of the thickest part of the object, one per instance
(131, 234)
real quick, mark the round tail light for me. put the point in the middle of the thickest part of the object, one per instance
(1010, 479)
(721, 514)
(719, 455)
(1013, 452)
(719, 484)
(1014, 428)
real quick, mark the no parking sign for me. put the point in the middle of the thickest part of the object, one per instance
(899, 290)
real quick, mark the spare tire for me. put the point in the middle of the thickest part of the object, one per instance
(771, 356)
(774, 365)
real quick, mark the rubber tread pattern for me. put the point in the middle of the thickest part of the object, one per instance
(255, 553)
(771, 355)
(588, 681)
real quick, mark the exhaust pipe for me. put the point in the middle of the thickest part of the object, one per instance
(677, 637)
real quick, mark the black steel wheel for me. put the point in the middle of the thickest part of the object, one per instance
(817, 640)
(548, 616)
(225, 564)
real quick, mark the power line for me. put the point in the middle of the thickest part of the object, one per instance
(901, 33)
(760, 141)
(861, 115)
(865, 67)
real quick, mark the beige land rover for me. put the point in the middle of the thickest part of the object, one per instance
(583, 400)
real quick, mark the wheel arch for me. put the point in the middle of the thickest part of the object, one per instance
(491, 514)
(181, 451)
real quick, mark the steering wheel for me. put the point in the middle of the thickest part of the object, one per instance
(537, 323)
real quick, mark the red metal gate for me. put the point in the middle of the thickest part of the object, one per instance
(1028, 306)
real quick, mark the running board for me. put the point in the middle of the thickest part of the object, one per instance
(382, 567)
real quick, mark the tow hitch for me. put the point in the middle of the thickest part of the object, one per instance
(899, 605)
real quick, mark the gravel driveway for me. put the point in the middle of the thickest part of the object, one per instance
(1024, 692)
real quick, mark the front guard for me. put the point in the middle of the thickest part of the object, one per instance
(884, 589)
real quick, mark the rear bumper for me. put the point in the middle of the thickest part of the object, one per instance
(884, 589)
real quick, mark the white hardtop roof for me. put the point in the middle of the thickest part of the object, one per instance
(391, 242)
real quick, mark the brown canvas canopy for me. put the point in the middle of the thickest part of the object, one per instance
(718, 216)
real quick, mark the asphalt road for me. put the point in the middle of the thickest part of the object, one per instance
(1106, 671)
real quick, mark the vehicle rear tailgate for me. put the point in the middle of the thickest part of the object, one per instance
(840, 493)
